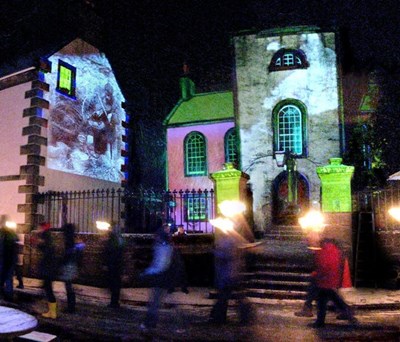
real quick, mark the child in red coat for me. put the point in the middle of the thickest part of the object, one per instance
(329, 263)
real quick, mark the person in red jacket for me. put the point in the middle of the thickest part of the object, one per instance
(329, 262)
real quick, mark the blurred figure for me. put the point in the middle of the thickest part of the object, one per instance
(180, 231)
(48, 268)
(178, 268)
(329, 263)
(114, 260)
(228, 264)
(9, 240)
(159, 275)
(312, 295)
(20, 261)
(70, 264)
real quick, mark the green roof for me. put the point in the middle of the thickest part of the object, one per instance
(205, 107)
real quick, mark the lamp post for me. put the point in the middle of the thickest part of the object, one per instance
(283, 158)
(395, 213)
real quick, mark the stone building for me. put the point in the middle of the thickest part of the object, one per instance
(288, 98)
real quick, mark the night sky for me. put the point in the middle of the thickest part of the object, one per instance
(148, 41)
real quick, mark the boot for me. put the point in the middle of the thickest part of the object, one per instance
(71, 303)
(52, 313)
(306, 311)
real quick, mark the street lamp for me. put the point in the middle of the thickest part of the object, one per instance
(312, 221)
(395, 213)
(283, 158)
(231, 208)
(313, 225)
(102, 225)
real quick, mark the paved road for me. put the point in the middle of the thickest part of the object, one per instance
(96, 322)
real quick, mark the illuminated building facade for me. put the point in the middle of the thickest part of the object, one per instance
(201, 137)
(288, 99)
(65, 128)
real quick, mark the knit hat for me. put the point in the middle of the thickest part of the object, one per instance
(45, 226)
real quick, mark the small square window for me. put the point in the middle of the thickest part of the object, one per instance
(66, 79)
(197, 207)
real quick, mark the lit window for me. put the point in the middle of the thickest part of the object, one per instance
(66, 79)
(290, 127)
(287, 59)
(195, 155)
(196, 207)
(231, 151)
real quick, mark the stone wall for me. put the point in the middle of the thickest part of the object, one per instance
(196, 251)
(259, 91)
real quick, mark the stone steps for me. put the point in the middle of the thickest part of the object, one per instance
(281, 270)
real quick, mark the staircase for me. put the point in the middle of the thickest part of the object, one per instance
(285, 232)
(280, 268)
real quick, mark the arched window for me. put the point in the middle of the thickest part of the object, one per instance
(231, 150)
(287, 59)
(195, 154)
(290, 127)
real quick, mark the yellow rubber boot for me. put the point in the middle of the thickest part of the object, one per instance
(52, 313)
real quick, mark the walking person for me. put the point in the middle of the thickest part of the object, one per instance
(70, 265)
(47, 268)
(20, 262)
(329, 262)
(9, 239)
(114, 252)
(311, 296)
(227, 260)
(160, 275)
(179, 268)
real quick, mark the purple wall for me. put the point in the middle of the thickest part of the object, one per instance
(214, 134)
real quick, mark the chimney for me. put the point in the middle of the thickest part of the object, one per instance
(188, 88)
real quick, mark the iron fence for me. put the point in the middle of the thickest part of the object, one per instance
(378, 202)
(139, 211)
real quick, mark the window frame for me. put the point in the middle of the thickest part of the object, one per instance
(71, 91)
(298, 57)
(197, 207)
(227, 146)
(187, 161)
(304, 126)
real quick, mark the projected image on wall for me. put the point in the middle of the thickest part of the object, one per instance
(85, 124)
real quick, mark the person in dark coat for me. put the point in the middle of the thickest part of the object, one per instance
(179, 268)
(114, 252)
(69, 264)
(328, 263)
(20, 262)
(227, 263)
(48, 268)
(10, 252)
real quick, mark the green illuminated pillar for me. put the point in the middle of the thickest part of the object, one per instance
(335, 186)
(230, 185)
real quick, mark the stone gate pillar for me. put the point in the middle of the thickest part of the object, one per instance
(230, 184)
(336, 200)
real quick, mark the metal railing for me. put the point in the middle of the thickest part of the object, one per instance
(139, 211)
(378, 202)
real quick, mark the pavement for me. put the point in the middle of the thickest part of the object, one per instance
(358, 298)
(94, 321)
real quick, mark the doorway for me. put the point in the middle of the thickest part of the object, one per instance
(280, 194)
